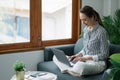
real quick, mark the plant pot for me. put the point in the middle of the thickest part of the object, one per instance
(20, 75)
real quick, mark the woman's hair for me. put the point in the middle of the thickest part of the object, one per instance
(90, 12)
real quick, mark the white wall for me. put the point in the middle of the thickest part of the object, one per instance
(106, 7)
(103, 7)
(29, 58)
(119, 4)
(110, 7)
(114, 6)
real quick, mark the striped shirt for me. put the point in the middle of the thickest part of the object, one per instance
(95, 43)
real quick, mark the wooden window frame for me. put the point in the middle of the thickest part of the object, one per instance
(36, 42)
(75, 27)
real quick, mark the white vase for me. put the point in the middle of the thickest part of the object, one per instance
(20, 75)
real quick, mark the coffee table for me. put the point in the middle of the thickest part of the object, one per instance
(38, 75)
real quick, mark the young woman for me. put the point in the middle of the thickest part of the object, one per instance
(91, 59)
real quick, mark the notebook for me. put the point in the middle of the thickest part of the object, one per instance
(60, 55)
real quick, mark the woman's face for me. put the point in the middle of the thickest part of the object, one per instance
(86, 20)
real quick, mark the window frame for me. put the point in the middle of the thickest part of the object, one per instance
(36, 42)
(75, 27)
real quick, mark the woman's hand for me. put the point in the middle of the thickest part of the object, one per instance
(82, 59)
(70, 58)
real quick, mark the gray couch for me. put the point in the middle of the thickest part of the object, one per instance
(50, 66)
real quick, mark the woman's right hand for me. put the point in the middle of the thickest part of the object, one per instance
(70, 58)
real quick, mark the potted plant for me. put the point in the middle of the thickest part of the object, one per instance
(115, 68)
(112, 25)
(19, 67)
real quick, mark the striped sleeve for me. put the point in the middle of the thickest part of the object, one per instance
(103, 47)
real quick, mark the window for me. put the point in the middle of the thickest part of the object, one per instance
(56, 19)
(14, 21)
(60, 22)
(34, 25)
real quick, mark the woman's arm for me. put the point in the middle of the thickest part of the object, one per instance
(104, 47)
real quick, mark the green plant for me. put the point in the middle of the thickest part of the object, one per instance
(19, 66)
(112, 25)
(115, 69)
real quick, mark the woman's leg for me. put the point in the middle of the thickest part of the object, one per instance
(87, 68)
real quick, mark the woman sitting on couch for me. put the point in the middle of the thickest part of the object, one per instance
(92, 58)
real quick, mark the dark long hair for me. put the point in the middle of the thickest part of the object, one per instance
(90, 12)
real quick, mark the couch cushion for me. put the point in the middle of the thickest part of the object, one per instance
(114, 49)
(50, 66)
(78, 46)
(48, 54)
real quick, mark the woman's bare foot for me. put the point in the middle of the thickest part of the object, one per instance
(73, 74)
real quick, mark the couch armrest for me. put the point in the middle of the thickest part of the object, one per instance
(48, 54)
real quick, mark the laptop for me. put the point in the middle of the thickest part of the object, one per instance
(60, 55)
